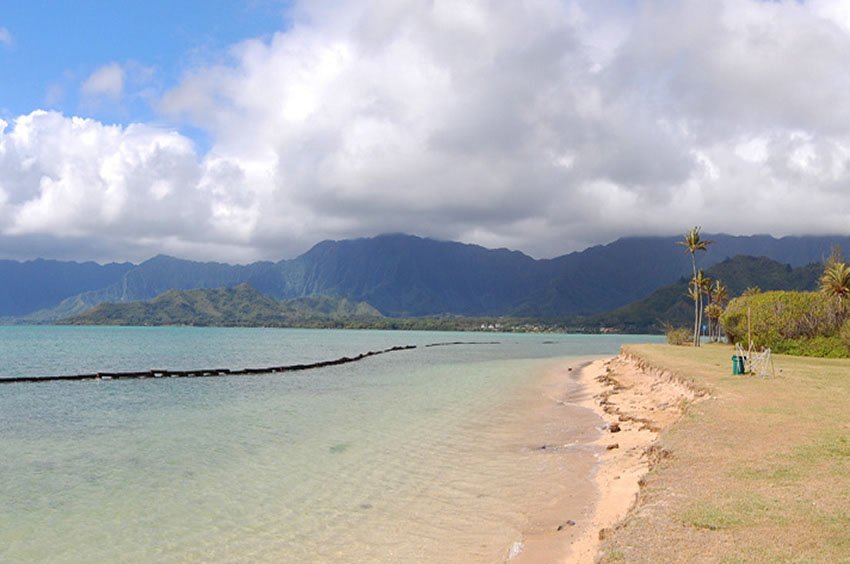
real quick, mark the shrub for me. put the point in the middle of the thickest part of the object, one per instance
(678, 335)
(824, 347)
(844, 333)
(802, 323)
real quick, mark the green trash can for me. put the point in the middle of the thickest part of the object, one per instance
(737, 365)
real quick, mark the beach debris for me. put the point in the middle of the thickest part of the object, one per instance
(604, 533)
(612, 446)
(567, 523)
(614, 427)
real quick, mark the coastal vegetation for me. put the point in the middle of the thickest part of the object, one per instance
(799, 323)
(677, 335)
(813, 323)
(671, 306)
(758, 473)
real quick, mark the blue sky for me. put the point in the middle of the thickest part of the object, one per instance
(253, 129)
(57, 45)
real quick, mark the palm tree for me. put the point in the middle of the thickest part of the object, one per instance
(719, 297)
(835, 282)
(719, 293)
(693, 243)
(703, 282)
(697, 288)
(714, 310)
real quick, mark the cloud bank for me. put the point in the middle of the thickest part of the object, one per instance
(543, 125)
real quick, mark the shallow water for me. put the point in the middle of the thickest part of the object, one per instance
(430, 454)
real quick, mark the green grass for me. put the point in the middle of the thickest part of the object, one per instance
(737, 511)
(711, 517)
(760, 471)
(777, 474)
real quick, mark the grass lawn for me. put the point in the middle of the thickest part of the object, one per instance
(758, 473)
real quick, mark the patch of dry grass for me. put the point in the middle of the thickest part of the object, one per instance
(759, 473)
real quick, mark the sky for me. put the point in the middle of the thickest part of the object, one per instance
(242, 130)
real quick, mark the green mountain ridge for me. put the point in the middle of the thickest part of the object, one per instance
(238, 306)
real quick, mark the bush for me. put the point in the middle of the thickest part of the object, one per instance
(679, 335)
(801, 323)
(824, 347)
(844, 333)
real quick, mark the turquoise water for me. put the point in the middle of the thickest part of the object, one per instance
(411, 456)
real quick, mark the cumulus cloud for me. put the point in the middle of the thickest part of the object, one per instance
(107, 81)
(5, 37)
(122, 191)
(543, 125)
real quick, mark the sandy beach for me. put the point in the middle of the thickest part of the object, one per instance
(633, 405)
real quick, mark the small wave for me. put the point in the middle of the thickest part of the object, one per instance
(516, 548)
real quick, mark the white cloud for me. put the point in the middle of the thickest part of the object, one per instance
(136, 188)
(543, 125)
(6, 37)
(107, 81)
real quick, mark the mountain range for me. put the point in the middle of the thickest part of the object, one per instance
(403, 276)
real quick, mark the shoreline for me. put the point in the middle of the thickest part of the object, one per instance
(634, 405)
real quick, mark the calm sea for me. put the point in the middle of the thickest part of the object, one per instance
(422, 455)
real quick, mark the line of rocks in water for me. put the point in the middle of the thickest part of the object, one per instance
(462, 343)
(210, 372)
(202, 373)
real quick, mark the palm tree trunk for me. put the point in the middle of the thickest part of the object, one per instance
(719, 328)
(699, 321)
(696, 300)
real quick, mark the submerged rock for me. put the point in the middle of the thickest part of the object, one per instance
(568, 523)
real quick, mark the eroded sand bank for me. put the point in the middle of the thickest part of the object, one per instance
(634, 405)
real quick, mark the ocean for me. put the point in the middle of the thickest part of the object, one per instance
(432, 454)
